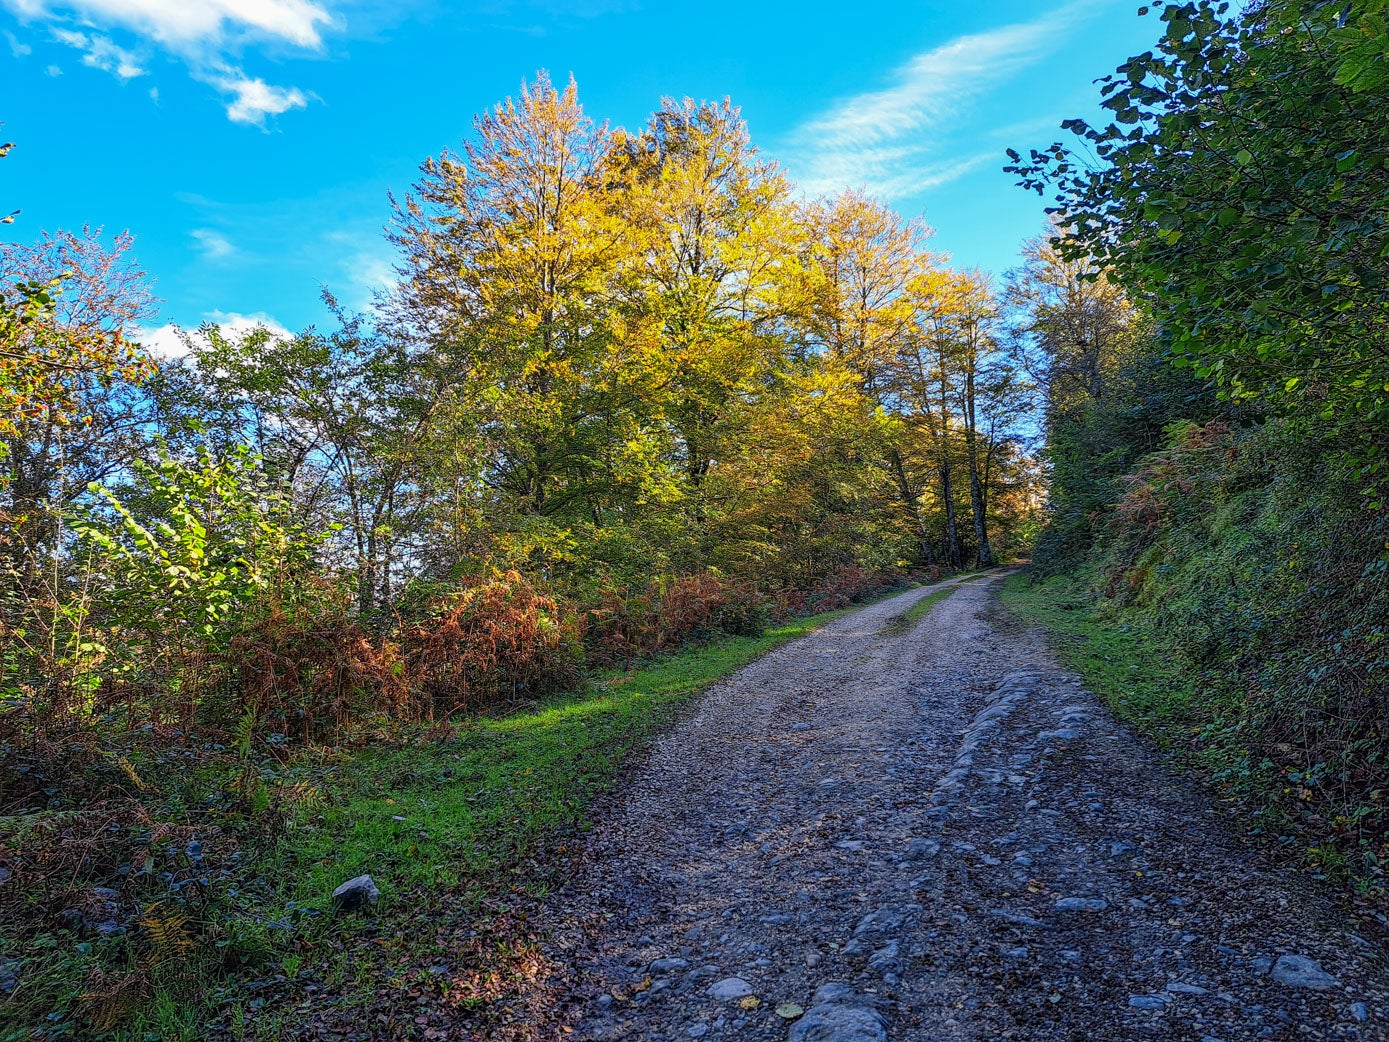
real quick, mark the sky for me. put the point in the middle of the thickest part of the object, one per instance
(249, 145)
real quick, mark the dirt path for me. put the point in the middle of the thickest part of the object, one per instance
(936, 833)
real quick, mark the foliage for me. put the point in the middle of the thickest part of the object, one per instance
(222, 862)
(1242, 189)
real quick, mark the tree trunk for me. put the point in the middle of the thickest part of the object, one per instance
(952, 535)
(981, 528)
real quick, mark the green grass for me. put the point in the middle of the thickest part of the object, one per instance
(459, 828)
(1120, 663)
(917, 611)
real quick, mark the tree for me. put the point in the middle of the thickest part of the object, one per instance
(341, 418)
(513, 257)
(716, 229)
(1241, 191)
(68, 370)
(862, 260)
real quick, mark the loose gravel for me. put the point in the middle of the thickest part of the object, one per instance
(935, 832)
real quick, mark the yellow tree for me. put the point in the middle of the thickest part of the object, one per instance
(861, 262)
(513, 255)
(717, 239)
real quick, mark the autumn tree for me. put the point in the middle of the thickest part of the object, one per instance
(68, 365)
(715, 220)
(861, 260)
(512, 255)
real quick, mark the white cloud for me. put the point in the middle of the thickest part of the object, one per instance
(54, 70)
(253, 100)
(102, 53)
(878, 140)
(18, 49)
(204, 34)
(183, 24)
(213, 245)
(173, 341)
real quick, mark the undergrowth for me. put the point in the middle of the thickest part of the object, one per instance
(1233, 604)
(185, 892)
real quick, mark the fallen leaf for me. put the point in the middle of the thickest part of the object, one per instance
(750, 1002)
(789, 1011)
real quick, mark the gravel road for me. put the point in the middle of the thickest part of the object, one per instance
(934, 832)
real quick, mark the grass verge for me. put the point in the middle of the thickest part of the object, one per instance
(1122, 664)
(1191, 718)
(463, 827)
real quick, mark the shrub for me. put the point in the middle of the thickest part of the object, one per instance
(670, 613)
(495, 639)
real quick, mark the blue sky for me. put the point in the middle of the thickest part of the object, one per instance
(249, 144)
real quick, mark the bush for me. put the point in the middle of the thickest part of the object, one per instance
(670, 613)
(495, 639)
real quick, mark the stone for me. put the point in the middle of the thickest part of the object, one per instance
(884, 960)
(356, 893)
(9, 973)
(730, 989)
(919, 848)
(839, 1023)
(1177, 987)
(1081, 904)
(97, 911)
(1147, 1002)
(670, 965)
(1298, 971)
(1359, 1012)
(834, 991)
(697, 1030)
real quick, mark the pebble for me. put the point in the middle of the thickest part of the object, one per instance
(697, 1030)
(1359, 1011)
(834, 991)
(1186, 989)
(1147, 1002)
(730, 988)
(1298, 971)
(668, 965)
(1081, 904)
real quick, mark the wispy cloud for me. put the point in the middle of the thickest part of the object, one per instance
(254, 99)
(889, 141)
(18, 49)
(212, 245)
(204, 34)
(101, 52)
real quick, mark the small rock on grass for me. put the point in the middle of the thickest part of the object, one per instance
(360, 892)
